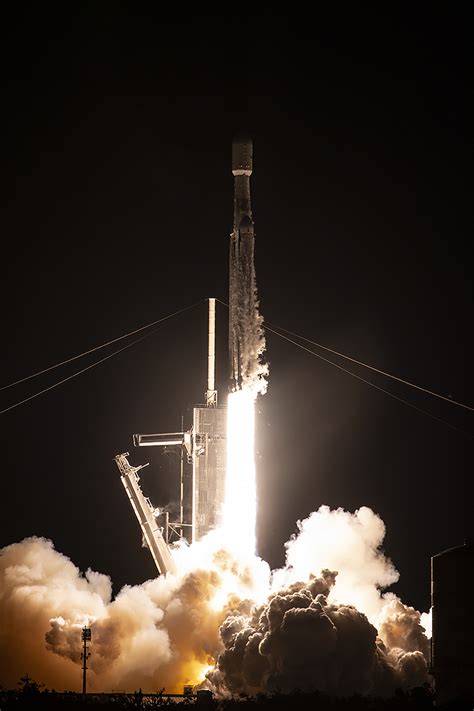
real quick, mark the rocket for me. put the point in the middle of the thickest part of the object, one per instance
(242, 286)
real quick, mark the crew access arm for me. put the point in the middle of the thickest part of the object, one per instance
(145, 513)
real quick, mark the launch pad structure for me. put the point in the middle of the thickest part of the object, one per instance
(203, 446)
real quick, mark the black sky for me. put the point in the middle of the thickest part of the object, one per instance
(118, 124)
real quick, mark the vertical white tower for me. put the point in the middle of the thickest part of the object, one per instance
(209, 449)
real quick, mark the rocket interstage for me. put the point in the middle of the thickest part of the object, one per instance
(245, 333)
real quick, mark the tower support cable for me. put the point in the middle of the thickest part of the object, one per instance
(98, 362)
(103, 345)
(372, 385)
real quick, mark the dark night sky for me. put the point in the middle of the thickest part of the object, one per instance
(116, 146)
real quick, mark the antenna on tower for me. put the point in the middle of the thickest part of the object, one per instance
(86, 637)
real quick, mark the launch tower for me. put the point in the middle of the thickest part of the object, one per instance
(203, 447)
(209, 460)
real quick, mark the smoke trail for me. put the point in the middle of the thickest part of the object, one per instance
(246, 322)
(223, 610)
(254, 372)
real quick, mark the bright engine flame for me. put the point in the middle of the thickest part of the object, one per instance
(240, 504)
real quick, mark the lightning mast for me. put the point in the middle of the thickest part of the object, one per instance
(211, 393)
(209, 458)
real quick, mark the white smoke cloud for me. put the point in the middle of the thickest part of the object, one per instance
(38, 584)
(322, 622)
(346, 542)
(337, 632)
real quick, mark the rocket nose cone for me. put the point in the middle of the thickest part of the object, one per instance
(242, 150)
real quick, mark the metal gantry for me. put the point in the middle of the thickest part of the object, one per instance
(203, 447)
(146, 514)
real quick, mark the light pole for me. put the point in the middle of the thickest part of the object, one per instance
(86, 637)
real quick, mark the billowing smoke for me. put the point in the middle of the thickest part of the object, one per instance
(254, 371)
(326, 624)
(350, 544)
(299, 640)
(320, 622)
(164, 632)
